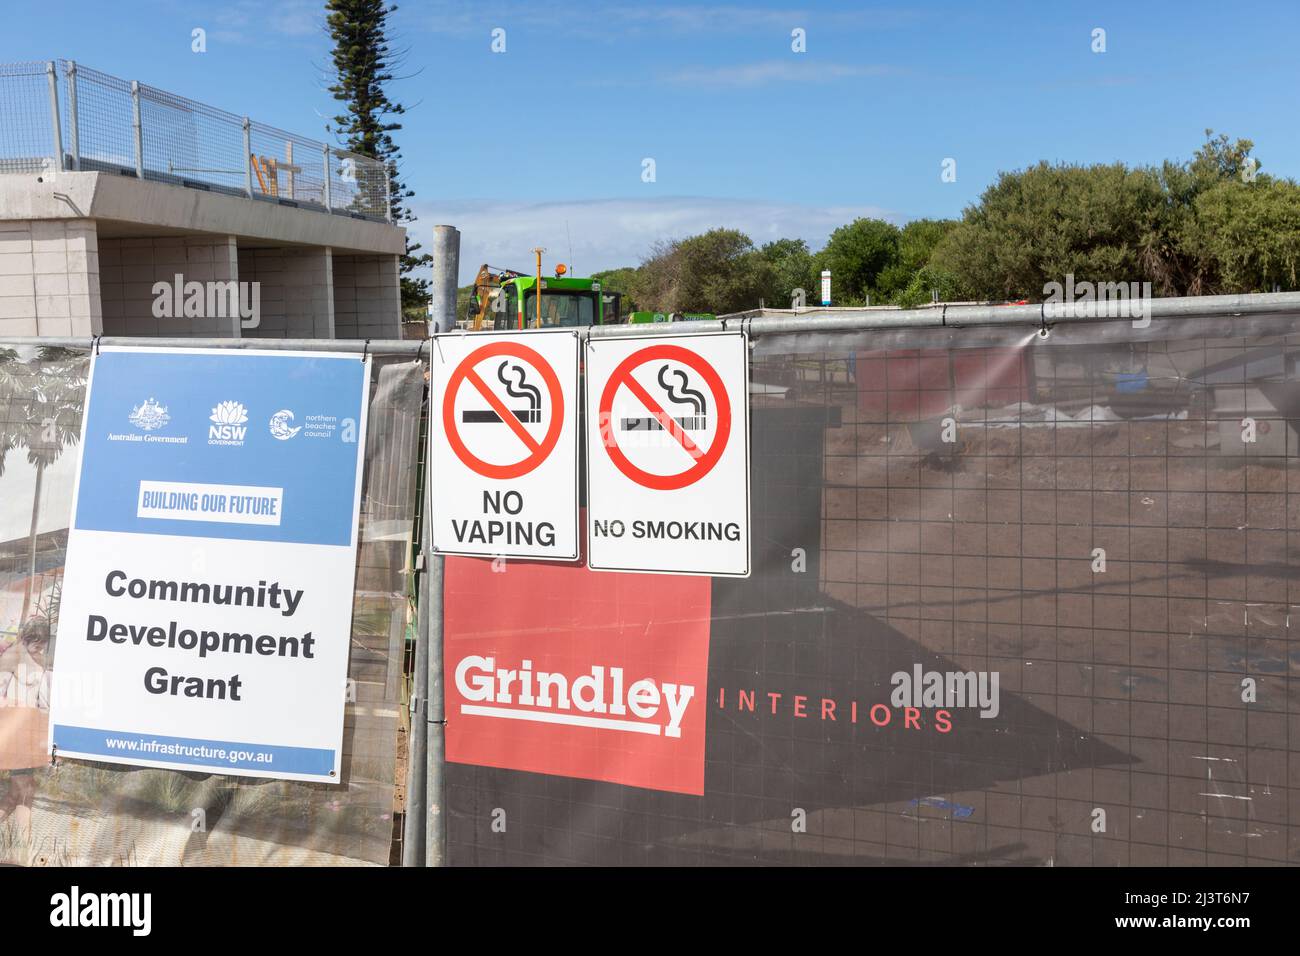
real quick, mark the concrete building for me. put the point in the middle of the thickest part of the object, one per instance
(207, 212)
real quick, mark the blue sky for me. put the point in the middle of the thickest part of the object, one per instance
(544, 143)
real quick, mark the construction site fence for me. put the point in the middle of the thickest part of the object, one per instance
(1021, 593)
(95, 814)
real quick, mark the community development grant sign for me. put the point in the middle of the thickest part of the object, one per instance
(207, 600)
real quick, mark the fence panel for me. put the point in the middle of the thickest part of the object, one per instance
(191, 144)
(104, 118)
(29, 129)
(1016, 600)
(99, 814)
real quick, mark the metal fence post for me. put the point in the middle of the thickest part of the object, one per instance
(248, 158)
(138, 125)
(56, 127)
(435, 796)
(416, 746)
(388, 196)
(74, 124)
(446, 260)
(329, 200)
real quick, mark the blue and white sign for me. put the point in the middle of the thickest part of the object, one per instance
(207, 598)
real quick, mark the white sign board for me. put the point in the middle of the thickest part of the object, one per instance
(205, 617)
(668, 454)
(503, 444)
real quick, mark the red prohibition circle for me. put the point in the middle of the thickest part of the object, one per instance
(539, 451)
(704, 464)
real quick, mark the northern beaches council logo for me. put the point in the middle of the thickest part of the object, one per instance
(282, 427)
(229, 424)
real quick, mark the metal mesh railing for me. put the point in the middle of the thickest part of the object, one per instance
(191, 143)
(101, 119)
(107, 124)
(27, 136)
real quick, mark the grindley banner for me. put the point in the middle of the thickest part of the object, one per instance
(207, 599)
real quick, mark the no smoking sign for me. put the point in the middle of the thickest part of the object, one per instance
(503, 444)
(668, 454)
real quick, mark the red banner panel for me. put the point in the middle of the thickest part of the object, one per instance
(578, 674)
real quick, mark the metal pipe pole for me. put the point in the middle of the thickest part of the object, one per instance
(74, 118)
(538, 291)
(802, 321)
(138, 126)
(446, 268)
(784, 322)
(435, 796)
(388, 196)
(325, 154)
(248, 158)
(56, 126)
(409, 347)
(413, 839)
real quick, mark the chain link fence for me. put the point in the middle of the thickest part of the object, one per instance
(27, 141)
(1017, 599)
(83, 813)
(61, 115)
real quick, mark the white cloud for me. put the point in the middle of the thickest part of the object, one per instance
(608, 233)
(249, 21)
(613, 22)
(794, 70)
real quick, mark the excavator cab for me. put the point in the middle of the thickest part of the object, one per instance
(566, 303)
(505, 300)
(562, 309)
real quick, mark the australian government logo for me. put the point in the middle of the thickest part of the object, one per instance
(229, 424)
(148, 418)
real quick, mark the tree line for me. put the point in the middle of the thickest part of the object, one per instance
(1209, 225)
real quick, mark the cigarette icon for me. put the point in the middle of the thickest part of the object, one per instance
(488, 417)
(515, 389)
(689, 423)
(681, 394)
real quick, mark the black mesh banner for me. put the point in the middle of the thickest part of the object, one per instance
(1016, 599)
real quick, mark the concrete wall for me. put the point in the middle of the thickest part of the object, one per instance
(367, 297)
(295, 288)
(49, 277)
(130, 267)
(81, 252)
(161, 209)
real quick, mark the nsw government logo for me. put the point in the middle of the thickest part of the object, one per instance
(149, 416)
(229, 424)
(282, 425)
